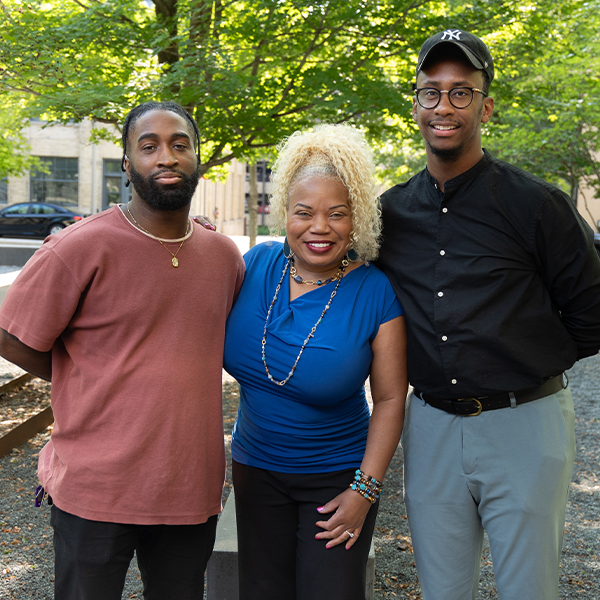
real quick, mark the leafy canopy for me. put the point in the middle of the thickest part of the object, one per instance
(547, 121)
(251, 73)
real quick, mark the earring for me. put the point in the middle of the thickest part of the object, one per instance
(127, 183)
(352, 255)
(287, 251)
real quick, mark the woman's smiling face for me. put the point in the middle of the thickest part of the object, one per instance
(319, 224)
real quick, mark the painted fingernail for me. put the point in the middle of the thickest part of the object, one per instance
(328, 546)
(320, 508)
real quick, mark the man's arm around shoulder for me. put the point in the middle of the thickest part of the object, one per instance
(33, 361)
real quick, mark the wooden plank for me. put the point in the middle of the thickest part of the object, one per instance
(16, 382)
(25, 431)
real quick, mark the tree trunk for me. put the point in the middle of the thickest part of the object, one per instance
(166, 14)
(574, 190)
(253, 206)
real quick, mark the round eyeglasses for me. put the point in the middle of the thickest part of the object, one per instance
(460, 97)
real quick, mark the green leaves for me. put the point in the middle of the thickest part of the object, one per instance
(14, 149)
(252, 72)
(546, 118)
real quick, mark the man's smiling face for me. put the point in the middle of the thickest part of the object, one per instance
(452, 133)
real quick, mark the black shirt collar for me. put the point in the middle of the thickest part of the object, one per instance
(473, 172)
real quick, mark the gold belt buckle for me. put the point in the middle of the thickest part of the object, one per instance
(478, 404)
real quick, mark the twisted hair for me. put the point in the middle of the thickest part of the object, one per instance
(142, 109)
(338, 152)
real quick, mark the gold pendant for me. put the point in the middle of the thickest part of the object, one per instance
(175, 262)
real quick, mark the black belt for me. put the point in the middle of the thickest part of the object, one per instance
(471, 407)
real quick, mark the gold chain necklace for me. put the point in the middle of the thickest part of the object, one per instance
(174, 260)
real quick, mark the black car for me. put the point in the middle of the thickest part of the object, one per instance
(35, 219)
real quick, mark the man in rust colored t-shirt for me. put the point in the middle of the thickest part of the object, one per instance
(125, 313)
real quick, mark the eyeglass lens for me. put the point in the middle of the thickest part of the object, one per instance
(460, 97)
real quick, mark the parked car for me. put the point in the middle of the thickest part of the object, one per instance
(266, 209)
(35, 219)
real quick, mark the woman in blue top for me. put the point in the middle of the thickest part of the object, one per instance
(313, 320)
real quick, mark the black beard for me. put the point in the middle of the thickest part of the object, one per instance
(161, 197)
(447, 154)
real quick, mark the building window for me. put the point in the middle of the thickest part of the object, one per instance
(263, 171)
(59, 185)
(114, 190)
(3, 190)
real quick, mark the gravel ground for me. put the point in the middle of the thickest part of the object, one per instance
(26, 537)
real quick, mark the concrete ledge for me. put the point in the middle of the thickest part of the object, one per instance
(243, 241)
(5, 280)
(16, 256)
(17, 251)
(221, 574)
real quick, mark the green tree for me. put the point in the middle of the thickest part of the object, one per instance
(250, 72)
(548, 115)
(14, 148)
(253, 72)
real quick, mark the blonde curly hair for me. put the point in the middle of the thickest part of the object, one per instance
(337, 152)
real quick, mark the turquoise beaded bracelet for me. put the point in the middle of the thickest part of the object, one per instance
(366, 486)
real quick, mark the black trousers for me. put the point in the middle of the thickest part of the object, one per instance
(278, 555)
(92, 558)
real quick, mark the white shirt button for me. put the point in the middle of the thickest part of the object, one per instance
(442, 252)
(444, 338)
(444, 210)
(440, 294)
(454, 382)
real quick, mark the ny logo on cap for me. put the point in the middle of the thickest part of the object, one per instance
(451, 34)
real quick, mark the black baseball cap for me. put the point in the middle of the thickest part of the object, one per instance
(473, 48)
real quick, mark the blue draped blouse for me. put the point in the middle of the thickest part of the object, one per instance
(318, 421)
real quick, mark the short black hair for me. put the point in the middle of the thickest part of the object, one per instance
(486, 82)
(141, 109)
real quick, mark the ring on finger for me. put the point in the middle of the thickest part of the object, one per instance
(351, 535)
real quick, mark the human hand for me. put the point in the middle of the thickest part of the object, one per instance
(350, 510)
(205, 222)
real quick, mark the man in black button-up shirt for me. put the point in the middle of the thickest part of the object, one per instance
(500, 283)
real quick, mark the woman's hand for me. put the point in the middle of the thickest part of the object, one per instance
(205, 222)
(350, 510)
(388, 387)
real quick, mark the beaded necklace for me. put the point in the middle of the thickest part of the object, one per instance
(312, 331)
(298, 279)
